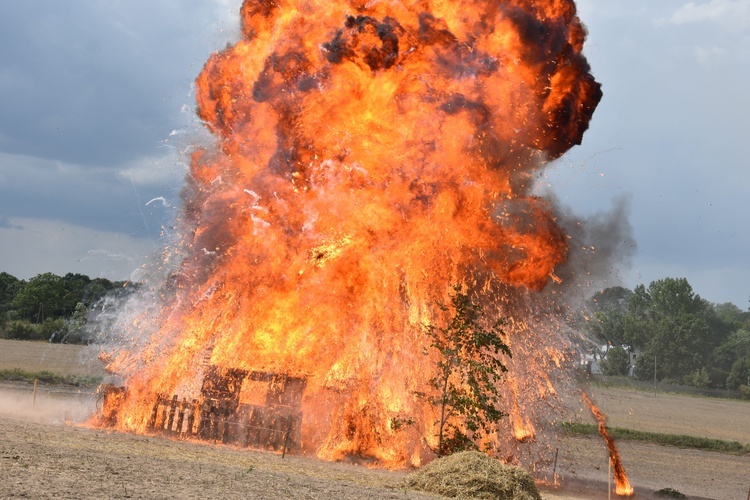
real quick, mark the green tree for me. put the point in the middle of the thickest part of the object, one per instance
(678, 344)
(75, 285)
(732, 316)
(615, 297)
(98, 288)
(699, 378)
(739, 374)
(24, 330)
(467, 371)
(73, 330)
(736, 346)
(617, 362)
(603, 315)
(9, 286)
(42, 297)
(672, 324)
(607, 326)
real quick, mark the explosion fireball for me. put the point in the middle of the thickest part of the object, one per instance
(368, 156)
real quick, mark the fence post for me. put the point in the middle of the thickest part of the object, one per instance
(33, 401)
(154, 412)
(286, 439)
(554, 469)
(172, 409)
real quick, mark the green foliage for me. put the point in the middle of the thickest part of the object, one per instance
(24, 330)
(607, 325)
(732, 316)
(617, 362)
(42, 297)
(467, 369)
(736, 346)
(9, 286)
(692, 341)
(27, 307)
(739, 374)
(678, 440)
(699, 378)
(73, 329)
(672, 324)
(604, 314)
(21, 330)
(613, 298)
(47, 377)
(670, 492)
(718, 378)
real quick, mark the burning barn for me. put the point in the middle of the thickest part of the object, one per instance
(368, 156)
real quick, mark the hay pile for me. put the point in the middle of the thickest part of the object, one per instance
(471, 474)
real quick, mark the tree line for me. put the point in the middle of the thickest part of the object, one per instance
(52, 307)
(675, 336)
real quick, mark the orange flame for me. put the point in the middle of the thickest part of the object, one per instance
(622, 485)
(368, 156)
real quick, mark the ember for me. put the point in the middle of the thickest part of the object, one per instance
(368, 156)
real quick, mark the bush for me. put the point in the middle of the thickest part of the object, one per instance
(699, 378)
(617, 362)
(670, 492)
(718, 378)
(740, 373)
(23, 330)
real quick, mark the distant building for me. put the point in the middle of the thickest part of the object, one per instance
(591, 361)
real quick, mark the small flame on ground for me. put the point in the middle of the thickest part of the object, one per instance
(622, 485)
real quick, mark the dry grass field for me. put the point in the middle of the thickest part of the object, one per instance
(63, 359)
(45, 453)
(713, 418)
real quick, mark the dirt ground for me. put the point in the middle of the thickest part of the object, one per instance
(45, 454)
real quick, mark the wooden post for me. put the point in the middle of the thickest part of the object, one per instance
(609, 479)
(172, 408)
(154, 412)
(181, 415)
(286, 439)
(554, 468)
(33, 401)
(191, 419)
(225, 432)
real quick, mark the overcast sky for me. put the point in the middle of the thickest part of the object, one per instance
(96, 105)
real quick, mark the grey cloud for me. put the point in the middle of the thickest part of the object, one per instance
(5, 223)
(97, 83)
(94, 198)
